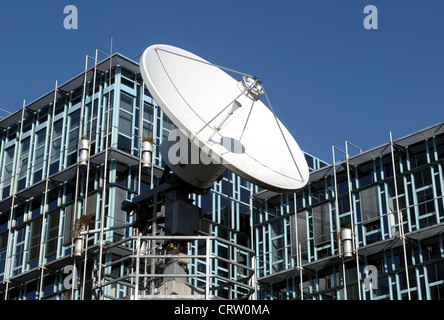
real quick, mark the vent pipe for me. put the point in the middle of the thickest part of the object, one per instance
(78, 247)
(83, 151)
(147, 154)
(347, 245)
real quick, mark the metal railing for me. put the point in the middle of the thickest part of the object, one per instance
(145, 251)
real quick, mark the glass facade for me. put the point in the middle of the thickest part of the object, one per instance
(304, 258)
(45, 191)
(250, 245)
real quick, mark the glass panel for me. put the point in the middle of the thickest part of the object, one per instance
(148, 113)
(321, 217)
(423, 178)
(125, 122)
(167, 123)
(25, 147)
(369, 203)
(56, 147)
(23, 164)
(39, 151)
(34, 241)
(9, 157)
(53, 232)
(73, 138)
(126, 102)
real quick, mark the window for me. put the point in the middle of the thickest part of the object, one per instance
(34, 239)
(7, 171)
(309, 160)
(119, 214)
(127, 78)
(92, 129)
(73, 137)
(317, 191)
(148, 120)
(52, 233)
(56, 147)
(167, 123)
(19, 250)
(3, 240)
(53, 199)
(23, 164)
(126, 102)
(60, 105)
(365, 174)
(418, 155)
(225, 212)
(35, 206)
(369, 203)
(4, 231)
(440, 146)
(425, 201)
(76, 96)
(321, 218)
(302, 232)
(69, 221)
(342, 187)
(39, 155)
(423, 178)
(125, 123)
(42, 114)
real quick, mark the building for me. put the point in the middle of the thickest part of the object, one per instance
(391, 254)
(70, 159)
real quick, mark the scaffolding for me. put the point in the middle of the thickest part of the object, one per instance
(395, 225)
(42, 200)
(139, 253)
(92, 233)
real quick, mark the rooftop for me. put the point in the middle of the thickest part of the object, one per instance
(70, 85)
(366, 156)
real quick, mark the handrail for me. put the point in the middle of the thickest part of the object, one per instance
(241, 276)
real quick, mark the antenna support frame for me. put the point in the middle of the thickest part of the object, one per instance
(251, 86)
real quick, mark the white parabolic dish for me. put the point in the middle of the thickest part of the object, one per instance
(196, 95)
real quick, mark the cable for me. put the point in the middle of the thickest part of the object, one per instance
(205, 62)
(285, 139)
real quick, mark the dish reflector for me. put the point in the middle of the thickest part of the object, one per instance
(225, 116)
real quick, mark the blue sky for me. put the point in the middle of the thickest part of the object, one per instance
(328, 78)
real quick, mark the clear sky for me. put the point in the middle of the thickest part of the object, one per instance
(329, 79)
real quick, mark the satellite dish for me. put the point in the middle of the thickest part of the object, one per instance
(225, 117)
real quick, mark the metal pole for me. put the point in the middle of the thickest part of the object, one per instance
(81, 131)
(105, 175)
(337, 220)
(207, 268)
(126, 225)
(136, 286)
(297, 246)
(400, 219)
(88, 163)
(300, 272)
(154, 144)
(354, 236)
(10, 238)
(153, 241)
(142, 110)
(81, 128)
(253, 257)
(42, 233)
(336, 198)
